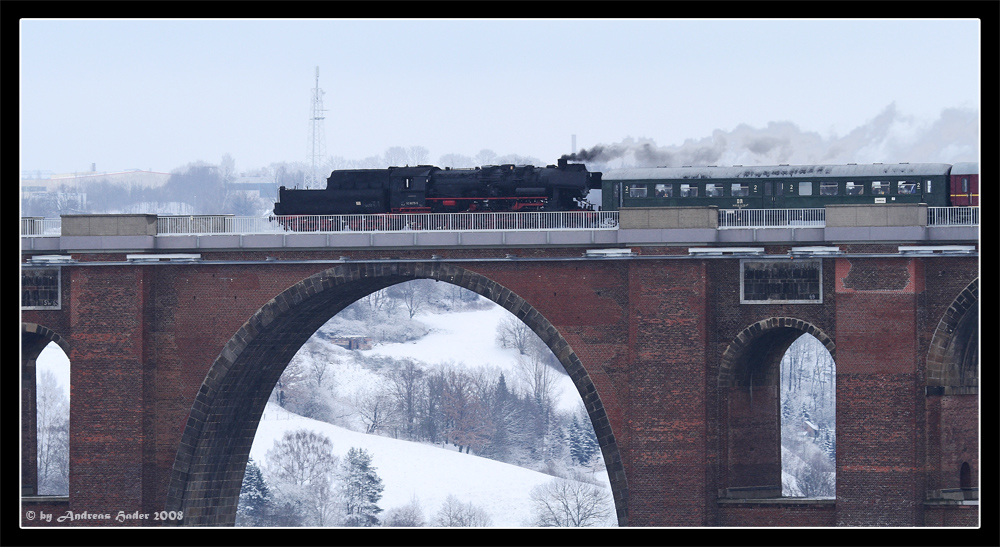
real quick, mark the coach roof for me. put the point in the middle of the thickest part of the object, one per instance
(779, 171)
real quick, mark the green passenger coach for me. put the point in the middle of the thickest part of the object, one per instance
(776, 187)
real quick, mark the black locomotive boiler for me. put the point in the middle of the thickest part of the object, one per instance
(426, 189)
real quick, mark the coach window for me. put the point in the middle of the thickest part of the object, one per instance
(637, 191)
(906, 187)
(664, 190)
(965, 185)
(689, 191)
(827, 188)
(927, 186)
(713, 190)
(805, 188)
(740, 189)
(879, 188)
(854, 189)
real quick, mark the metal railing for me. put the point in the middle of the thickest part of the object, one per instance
(568, 220)
(772, 218)
(953, 216)
(41, 227)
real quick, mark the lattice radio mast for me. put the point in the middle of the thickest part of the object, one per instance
(317, 138)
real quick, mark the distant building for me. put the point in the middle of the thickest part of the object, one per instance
(353, 342)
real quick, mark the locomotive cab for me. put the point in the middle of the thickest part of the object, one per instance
(407, 189)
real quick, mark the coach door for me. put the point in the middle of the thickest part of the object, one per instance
(772, 195)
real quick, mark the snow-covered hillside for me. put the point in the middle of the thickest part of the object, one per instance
(468, 338)
(427, 472)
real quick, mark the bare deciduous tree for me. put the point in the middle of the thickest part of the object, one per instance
(467, 417)
(414, 299)
(486, 157)
(407, 387)
(563, 502)
(409, 515)
(418, 155)
(375, 407)
(396, 156)
(52, 408)
(514, 333)
(302, 467)
(454, 513)
(456, 160)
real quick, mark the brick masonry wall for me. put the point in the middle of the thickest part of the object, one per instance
(649, 334)
(666, 405)
(879, 411)
(806, 514)
(106, 403)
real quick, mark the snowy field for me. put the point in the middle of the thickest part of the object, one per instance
(429, 473)
(469, 338)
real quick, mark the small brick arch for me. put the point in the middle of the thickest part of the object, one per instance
(952, 360)
(208, 469)
(782, 331)
(34, 339)
(749, 425)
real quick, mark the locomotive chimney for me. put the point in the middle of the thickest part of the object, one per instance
(562, 162)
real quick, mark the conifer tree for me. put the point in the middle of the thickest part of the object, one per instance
(255, 498)
(361, 489)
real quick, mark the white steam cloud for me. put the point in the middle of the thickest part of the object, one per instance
(890, 137)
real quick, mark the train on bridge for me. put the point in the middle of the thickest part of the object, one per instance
(565, 187)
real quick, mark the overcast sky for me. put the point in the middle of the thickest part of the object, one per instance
(157, 94)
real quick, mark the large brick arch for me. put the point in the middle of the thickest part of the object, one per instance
(952, 399)
(208, 470)
(953, 358)
(750, 399)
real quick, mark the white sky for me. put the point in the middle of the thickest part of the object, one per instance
(157, 94)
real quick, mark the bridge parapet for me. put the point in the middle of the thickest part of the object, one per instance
(109, 225)
(669, 217)
(849, 216)
(892, 223)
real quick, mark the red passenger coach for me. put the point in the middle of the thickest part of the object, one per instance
(964, 185)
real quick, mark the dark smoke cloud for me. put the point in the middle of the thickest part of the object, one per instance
(889, 137)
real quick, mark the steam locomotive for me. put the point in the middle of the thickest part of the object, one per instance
(429, 189)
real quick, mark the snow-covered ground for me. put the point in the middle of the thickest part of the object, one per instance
(428, 472)
(469, 338)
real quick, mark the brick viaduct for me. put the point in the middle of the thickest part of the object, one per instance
(172, 364)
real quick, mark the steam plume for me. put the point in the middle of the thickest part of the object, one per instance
(889, 137)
